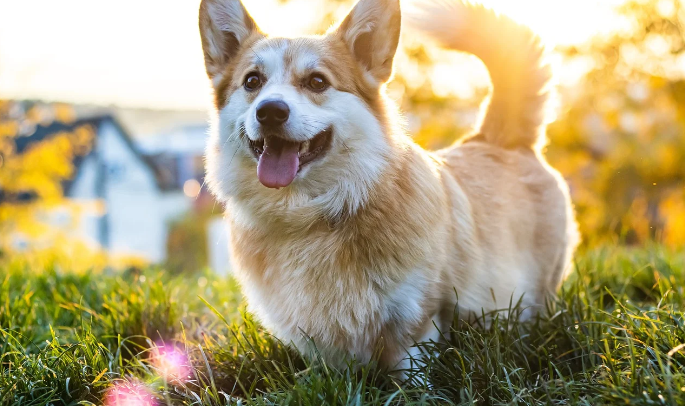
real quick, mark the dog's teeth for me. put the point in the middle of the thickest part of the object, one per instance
(304, 147)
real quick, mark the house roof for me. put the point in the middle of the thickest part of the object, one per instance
(162, 176)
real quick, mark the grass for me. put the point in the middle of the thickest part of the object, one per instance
(614, 336)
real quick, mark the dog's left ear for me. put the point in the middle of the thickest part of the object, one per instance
(372, 31)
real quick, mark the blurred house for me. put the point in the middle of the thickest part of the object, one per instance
(181, 151)
(136, 199)
(132, 193)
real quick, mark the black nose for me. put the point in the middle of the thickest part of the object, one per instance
(273, 112)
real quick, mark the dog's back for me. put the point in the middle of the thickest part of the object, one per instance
(517, 218)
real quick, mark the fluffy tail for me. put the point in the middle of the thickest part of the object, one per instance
(515, 115)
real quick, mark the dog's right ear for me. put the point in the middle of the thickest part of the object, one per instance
(224, 27)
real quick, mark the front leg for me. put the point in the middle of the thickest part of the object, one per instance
(405, 355)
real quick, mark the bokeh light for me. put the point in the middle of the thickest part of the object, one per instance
(130, 394)
(191, 188)
(171, 363)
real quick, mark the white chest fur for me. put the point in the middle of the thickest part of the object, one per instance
(315, 286)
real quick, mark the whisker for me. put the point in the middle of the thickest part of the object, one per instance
(204, 182)
(237, 132)
(234, 152)
(260, 61)
(349, 151)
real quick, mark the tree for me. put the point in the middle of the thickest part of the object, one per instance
(621, 139)
(32, 172)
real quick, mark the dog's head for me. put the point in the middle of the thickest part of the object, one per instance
(303, 117)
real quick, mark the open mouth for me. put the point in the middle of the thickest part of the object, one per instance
(280, 160)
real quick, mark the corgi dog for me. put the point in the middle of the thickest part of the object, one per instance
(346, 234)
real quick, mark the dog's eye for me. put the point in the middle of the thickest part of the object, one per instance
(317, 83)
(253, 81)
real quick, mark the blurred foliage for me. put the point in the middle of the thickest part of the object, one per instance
(187, 247)
(621, 139)
(31, 179)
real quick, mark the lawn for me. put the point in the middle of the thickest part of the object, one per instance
(614, 336)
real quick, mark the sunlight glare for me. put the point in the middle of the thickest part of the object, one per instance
(148, 64)
(291, 19)
(562, 21)
(557, 21)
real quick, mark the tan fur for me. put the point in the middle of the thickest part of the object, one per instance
(368, 245)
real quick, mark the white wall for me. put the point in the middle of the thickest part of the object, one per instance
(217, 244)
(83, 191)
(136, 222)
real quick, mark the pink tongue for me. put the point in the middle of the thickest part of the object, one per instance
(278, 163)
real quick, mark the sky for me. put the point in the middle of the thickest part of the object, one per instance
(147, 53)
